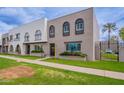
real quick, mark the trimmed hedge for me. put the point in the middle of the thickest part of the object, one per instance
(37, 51)
(73, 54)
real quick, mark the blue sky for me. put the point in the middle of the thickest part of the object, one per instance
(13, 17)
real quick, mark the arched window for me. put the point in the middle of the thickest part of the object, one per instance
(66, 29)
(27, 36)
(52, 31)
(79, 26)
(38, 35)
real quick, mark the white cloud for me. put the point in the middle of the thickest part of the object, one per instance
(23, 15)
(4, 27)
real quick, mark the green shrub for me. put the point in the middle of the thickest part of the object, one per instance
(37, 51)
(73, 54)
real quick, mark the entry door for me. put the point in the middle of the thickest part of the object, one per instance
(28, 49)
(52, 49)
(6, 49)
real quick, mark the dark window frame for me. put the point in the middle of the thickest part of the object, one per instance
(11, 37)
(26, 36)
(17, 36)
(79, 45)
(38, 35)
(68, 25)
(52, 28)
(79, 20)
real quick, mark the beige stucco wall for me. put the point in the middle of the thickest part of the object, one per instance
(96, 37)
(87, 45)
(97, 51)
(121, 54)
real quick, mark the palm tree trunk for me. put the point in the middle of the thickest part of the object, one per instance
(109, 39)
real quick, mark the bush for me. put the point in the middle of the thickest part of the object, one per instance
(37, 51)
(73, 54)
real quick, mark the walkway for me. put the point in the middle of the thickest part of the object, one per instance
(111, 74)
(42, 59)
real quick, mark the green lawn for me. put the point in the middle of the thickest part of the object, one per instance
(50, 76)
(105, 65)
(109, 56)
(22, 56)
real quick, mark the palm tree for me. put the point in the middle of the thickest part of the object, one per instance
(121, 33)
(109, 27)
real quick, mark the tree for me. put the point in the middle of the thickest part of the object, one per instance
(109, 27)
(121, 33)
(113, 39)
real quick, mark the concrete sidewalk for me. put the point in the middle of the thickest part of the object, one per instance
(105, 73)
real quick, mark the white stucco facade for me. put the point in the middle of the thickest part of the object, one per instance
(31, 29)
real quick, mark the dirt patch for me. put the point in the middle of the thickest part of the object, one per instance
(16, 72)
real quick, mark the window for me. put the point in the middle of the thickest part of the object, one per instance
(18, 36)
(73, 47)
(79, 26)
(7, 39)
(11, 48)
(52, 31)
(26, 37)
(37, 47)
(66, 29)
(38, 35)
(11, 37)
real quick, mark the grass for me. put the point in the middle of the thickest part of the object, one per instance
(109, 56)
(51, 76)
(105, 65)
(22, 56)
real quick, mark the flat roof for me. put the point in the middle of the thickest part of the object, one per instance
(69, 14)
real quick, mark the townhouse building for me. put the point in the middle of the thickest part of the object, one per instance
(74, 32)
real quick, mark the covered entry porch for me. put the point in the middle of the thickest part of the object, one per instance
(35, 49)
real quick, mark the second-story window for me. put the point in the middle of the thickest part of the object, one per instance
(38, 35)
(11, 37)
(18, 36)
(26, 37)
(79, 26)
(52, 31)
(66, 29)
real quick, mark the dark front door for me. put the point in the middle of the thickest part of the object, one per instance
(28, 49)
(52, 49)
